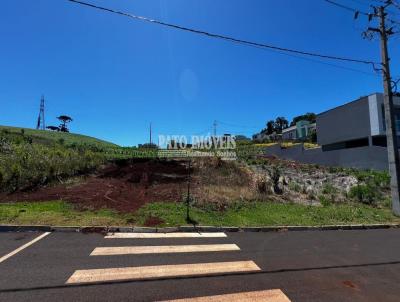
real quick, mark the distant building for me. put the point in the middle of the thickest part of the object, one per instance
(300, 131)
(241, 138)
(305, 129)
(260, 137)
(351, 135)
(289, 133)
(263, 136)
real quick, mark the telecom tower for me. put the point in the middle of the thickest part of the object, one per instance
(40, 122)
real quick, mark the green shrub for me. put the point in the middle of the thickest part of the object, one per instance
(378, 178)
(294, 186)
(365, 193)
(324, 200)
(329, 189)
(25, 166)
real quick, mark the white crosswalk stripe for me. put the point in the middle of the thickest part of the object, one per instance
(164, 249)
(273, 295)
(161, 271)
(176, 270)
(163, 235)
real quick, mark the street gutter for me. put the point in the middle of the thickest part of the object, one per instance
(115, 229)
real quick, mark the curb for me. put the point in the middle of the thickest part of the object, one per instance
(210, 229)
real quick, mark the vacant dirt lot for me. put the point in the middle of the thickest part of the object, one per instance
(124, 185)
(127, 185)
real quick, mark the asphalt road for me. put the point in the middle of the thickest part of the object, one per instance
(305, 266)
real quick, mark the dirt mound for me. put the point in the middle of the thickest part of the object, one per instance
(146, 171)
(124, 185)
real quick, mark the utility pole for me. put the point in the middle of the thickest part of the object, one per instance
(391, 131)
(150, 135)
(214, 138)
(188, 193)
(215, 129)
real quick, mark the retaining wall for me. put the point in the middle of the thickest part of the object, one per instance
(369, 157)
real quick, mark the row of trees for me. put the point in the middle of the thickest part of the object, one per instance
(309, 116)
(276, 126)
(281, 123)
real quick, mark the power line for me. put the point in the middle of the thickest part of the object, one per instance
(321, 62)
(354, 10)
(238, 126)
(231, 39)
(361, 2)
(346, 7)
(370, 4)
(206, 132)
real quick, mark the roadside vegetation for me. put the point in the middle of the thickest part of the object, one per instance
(46, 137)
(28, 161)
(268, 214)
(174, 214)
(130, 186)
(32, 158)
(58, 213)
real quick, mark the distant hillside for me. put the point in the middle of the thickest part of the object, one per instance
(44, 137)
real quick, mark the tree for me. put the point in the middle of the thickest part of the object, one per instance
(270, 127)
(280, 124)
(53, 128)
(65, 119)
(148, 146)
(241, 138)
(309, 116)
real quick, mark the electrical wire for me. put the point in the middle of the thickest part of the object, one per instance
(238, 126)
(361, 3)
(218, 36)
(357, 10)
(322, 62)
(346, 7)
(207, 131)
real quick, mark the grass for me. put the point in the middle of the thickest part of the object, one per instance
(310, 145)
(174, 214)
(265, 145)
(289, 144)
(57, 213)
(30, 158)
(271, 214)
(67, 138)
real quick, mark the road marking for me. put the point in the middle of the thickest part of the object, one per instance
(162, 271)
(273, 295)
(136, 250)
(4, 258)
(164, 235)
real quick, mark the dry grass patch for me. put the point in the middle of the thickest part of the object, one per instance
(223, 182)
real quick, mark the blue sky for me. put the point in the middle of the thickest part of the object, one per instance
(115, 75)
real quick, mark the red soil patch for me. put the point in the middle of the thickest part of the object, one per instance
(153, 221)
(124, 185)
(350, 284)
